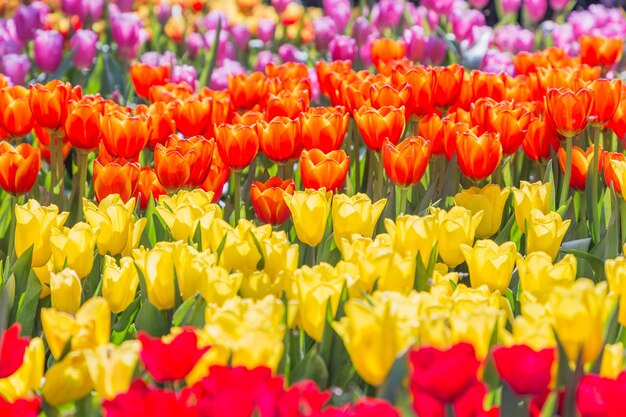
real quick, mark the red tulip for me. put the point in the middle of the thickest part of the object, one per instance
(218, 176)
(19, 167)
(141, 400)
(268, 202)
(12, 348)
(318, 169)
(528, 372)
(116, 177)
(478, 156)
(21, 407)
(601, 397)
(147, 185)
(406, 163)
(302, 398)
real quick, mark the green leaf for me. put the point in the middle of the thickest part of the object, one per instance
(513, 404)
(393, 388)
(549, 407)
(211, 58)
(597, 264)
(190, 313)
(311, 367)
(261, 264)
(28, 306)
(151, 320)
(123, 326)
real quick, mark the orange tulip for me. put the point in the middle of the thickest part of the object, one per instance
(325, 70)
(580, 165)
(568, 111)
(449, 83)
(598, 50)
(148, 185)
(608, 93)
(193, 115)
(160, 124)
(170, 92)
(19, 167)
(183, 162)
(287, 71)
(478, 156)
(218, 176)
(377, 124)
(124, 136)
(82, 125)
(423, 83)
(117, 177)
(385, 50)
(286, 104)
(617, 123)
(48, 103)
(479, 113)
(249, 118)
(539, 140)
(268, 202)
(450, 131)
(405, 164)
(16, 117)
(383, 94)
(488, 85)
(280, 138)
(318, 169)
(145, 76)
(431, 129)
(237, 144)
(324, 128)
(247, 90)
(221, 112)
(511, 125)
(609, 173)
(353, 97)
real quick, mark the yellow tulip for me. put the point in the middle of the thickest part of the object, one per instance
(33, 227)
(65, 291)
(67, 381)
(118, 232)
(183, 220)
(476, 326)
(374, 337)
(157, 267)
(355, 215)
(191, 268)
(489, 199)
(490, 264)
(413, 235)
(456, 227)
(362, 252)
(545, 232)
(74, 248)
(111, 367)
(89, 328)
(196, 197)
(309, 211)
(43, 275)
(119, 283)
(578, 315)
(539, 276)
(28, 377)
(280, 255)
(220, 285)
(528, 197)
(534, 330)
(612, 360)
(619, 167)
(615, 271)
(395, 272)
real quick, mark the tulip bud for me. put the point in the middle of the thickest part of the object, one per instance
(528, 197)
(456, 227)
(67, 381)
(413, 235)
(29, 375)
(490, 200)
(73, 248)
(84, 42)
(119, 284)
(111, 367)
(65, 291)
(538, 276)
(309, 209)
(48, 50)
(490, 264)
(157, 267)
(545, 232)
(355, 215)
(612, 360)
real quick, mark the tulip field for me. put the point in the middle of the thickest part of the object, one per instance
(247, 208)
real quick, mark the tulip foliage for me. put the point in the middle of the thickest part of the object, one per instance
(368, 228)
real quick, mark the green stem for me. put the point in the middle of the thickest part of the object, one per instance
(622, 216)
(81, 163)
(12, 225)
(403, 192)
(282, 171)
(380, 177)
(312, 254)
(355, 157)
(57, 170)
(449, 410)
(595, 217)
(237, 195)
(568, 171)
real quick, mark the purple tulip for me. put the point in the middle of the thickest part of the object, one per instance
(29, 19)
(265, 29)
(280, 5)
(564, 38)
(9, 42)
(290, 53)
(558, 5)
(71, 7)
(126, 29)
(156, 59)
(219, 76)
(264, 58)
(510, 6)
(211, 20)
(479, 4)
(195, 42)
(241, 36)
(48, 50)
(225, 48)
(92, 9)
(342, 47)
(415, 39)
(125, 5)
(464, 22)
(84, 42)
(536, 9)
(439, 6)
(496, 62)
(184, 74)
(341, 14)
(164, 12)
(362, 29)
(15, 67)
(325, 30)
(435, 50)
(387, 13)
(514, 39)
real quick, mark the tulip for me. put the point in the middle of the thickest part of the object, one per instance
(119, 233)
(126, 30)
(119, 283)
(374, 336)
(608, 93)
(540, 140)
(73, 248)
(48, 50)
(19, 167)
(376, 125)
(597, 50)
(413, 235)
(568, 111)
(406, 164)
(578, 315)
(237, 144)
(160, 123)
(490, 264)
(12, 349)
(448, 86)
(485, 84)
(84, 43)
(145, 76)
(111, 368)
(89, 328)
(192, 268)
(422, 82)
(280, 139)
(193, 115)
(157, 267)
(320, 170)
(456, 227)
(597, 395)
(48, 103)
(67, 380)
(220, 285)
(529, 197)
(183, 219)
(384, 50)
(117, 177)
(580, 162)
(82, 126)
(28, 19)
(478, 156)
(538, 276)
(613, 177)
(526, 371)
(27, 378)
(268, 201)
(286, 104)
(65, 290)
(384, 94)
(489, 199)
(16, 67)
(34, 224)
(148, 186)
(247, 90)
(511, 126)
(16, 117)
(125, 136)
(183, 162)
(324, 129)
(355, 215)
(544, 232)
(310, 210)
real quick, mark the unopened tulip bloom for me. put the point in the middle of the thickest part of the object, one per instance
(309, 210)
(280, 138)
(545, 232)
(84, 43)
(125, 136)
(237, 144)
(268, 202)
(48, 50)
(73, 248)
(377, 124)
(118, 233)
(355, 215)
(342, 47)
(478, 155)
(320, 170)
(65, 291)
(16, 117)
(157, 267)
(526, 371)
(34, 224)
(489, 199)
(28, 376)
(28, 19)
(612, 360)
(67, 380)
(183, 162)
(413, 235)
(568, 111)
(126, 29)
(528, 197)
(539, 276)
(456, 227)
(111, 367)
(119, 283)
(406, 163)
(19, 167)
(183, 219)
(116, 177)
(324, 129)
(599, 50)
(16, 67)
(490, 264)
